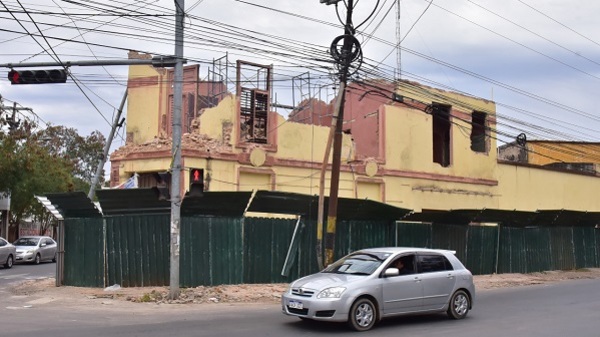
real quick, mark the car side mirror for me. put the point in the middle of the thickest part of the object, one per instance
(391, 272)
(43, 245)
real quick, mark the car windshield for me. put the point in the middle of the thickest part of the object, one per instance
(26, 242)
(356, 264)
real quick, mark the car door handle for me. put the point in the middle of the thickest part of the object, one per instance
(416, 279)
(450, 276)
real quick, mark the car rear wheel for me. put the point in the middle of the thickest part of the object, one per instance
(459, 305)
(363, 315)
(37, 259)
(9, 262)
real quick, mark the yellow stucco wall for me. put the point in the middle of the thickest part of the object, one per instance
(144, 103)
(530, 189)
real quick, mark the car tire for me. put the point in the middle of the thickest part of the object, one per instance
(459, 305)
(37, 259)
(54, 258)
(363, 315)
(9, 262)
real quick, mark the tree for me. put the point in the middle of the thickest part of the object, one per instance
(51, 160)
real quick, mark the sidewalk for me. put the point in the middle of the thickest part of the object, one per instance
(44, 292)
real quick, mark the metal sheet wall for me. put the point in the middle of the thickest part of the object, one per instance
(452, 237)
(562, 250)
(84, 252)
(211, 251)
(137, 250)
(354, 235)
(511, 252)
(537, 249)
(584, 242)
(482, 248)
(266, 242)
(409, 234)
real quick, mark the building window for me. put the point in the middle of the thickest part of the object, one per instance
(478, 139)
(253, 90)
(441, 133)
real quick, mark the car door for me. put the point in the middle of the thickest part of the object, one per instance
(402, 293)
(3, 251)
(438, 279)
(48, 250)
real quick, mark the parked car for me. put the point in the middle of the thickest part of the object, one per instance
(367, 286)
(35, 249)
(7, 253)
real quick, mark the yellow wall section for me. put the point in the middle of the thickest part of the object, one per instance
(371, 191)
(254, 181)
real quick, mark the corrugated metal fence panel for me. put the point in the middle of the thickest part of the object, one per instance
(307, 252)
(211, 251)
(597, 235)
(452, 237)
(84, 252)
(537, 249)
(138, 251)
(482, 249)
(584, 242)
(355, 235)
(511, 255)
(561, 243)
(413, 235)
(266, 243)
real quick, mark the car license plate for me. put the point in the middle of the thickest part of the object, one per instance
(296, 305)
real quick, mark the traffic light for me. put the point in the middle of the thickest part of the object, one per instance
(37, 76)
(163, 185)
(196, 182)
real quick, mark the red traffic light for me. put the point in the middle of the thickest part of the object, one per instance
(37, 76)
(196, 182)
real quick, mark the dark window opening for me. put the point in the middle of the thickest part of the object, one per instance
(478, 139)
(441, 134)
(253, 90)
(253, 116)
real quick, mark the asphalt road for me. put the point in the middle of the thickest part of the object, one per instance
(569, 308)
(22, 272)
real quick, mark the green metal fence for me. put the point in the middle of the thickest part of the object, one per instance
(134, 250)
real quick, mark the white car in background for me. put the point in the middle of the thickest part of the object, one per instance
(7, 253)
(35, 249)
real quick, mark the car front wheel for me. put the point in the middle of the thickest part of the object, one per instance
(9, 262)
(459, 305)
(363, 315)
(37, 259)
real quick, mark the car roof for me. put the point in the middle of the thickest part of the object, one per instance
(33, 237)
(394, 250)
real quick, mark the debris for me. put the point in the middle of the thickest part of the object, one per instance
(114, 287)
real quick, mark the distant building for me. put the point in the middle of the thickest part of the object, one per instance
(404, 144)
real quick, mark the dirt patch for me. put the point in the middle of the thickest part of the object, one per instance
(255, 293)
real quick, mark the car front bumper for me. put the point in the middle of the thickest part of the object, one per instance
(333, 310)
(24, 257)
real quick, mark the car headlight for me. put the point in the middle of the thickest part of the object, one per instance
(29, 251)
(335, 292)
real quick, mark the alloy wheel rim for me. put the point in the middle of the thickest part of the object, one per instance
(461, 304)
(364, 315)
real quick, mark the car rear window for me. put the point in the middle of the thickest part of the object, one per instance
(433, 263)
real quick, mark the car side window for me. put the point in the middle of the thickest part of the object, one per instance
(49, 241)
(2, 243)
(432, 263)
(405, 264)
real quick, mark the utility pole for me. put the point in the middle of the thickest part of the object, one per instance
(176, 153)
(349, 52)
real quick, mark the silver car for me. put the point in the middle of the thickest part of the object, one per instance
(35, 249)
(367, 285)
(7, 253)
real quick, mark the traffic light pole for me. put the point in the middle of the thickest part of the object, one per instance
(176, 153)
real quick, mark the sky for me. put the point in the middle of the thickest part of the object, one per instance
(539, 60)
